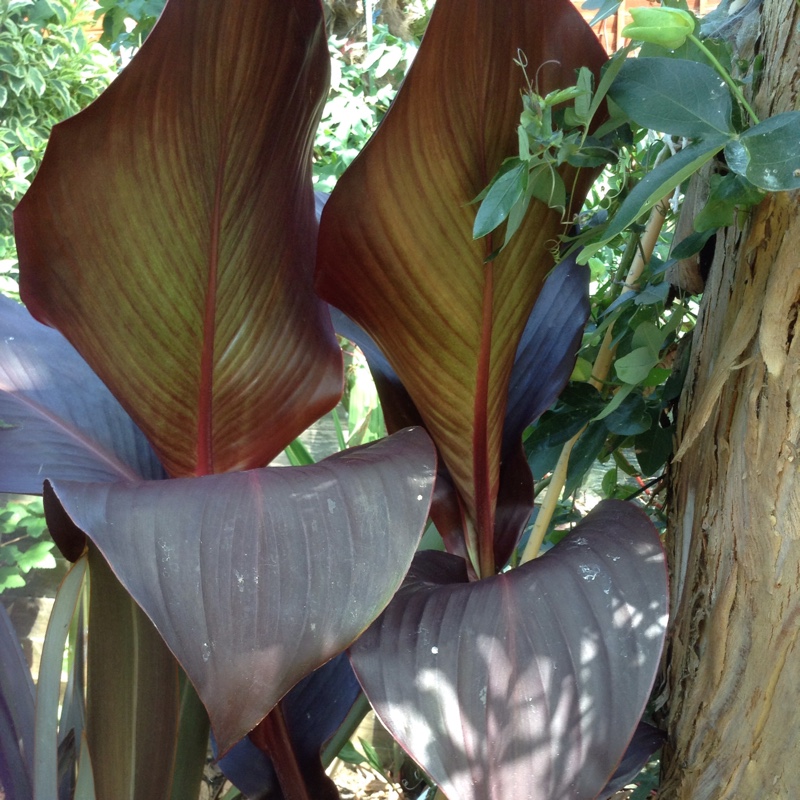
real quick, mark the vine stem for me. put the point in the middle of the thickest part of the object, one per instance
(725, 76)
(600, 370)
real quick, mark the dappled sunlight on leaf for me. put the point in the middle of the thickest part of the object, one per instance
(542, 671)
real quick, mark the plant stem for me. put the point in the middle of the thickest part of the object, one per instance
(548, 507)
(345, 730)
(272, 737)
(368, 18)
(643, 250)
(725, 76)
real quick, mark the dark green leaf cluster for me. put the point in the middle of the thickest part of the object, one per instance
(688, 99)
(553, 131)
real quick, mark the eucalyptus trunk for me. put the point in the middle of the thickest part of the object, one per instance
(733, 662)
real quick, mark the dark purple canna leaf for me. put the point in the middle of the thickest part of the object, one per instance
(646, 740)
(170, 234)
(313, 710)
(528, 684)
(57, 419)
(548, 348)
(545, 358)
(254, 579)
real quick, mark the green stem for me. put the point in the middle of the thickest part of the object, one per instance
(725, 76)
(346, 730)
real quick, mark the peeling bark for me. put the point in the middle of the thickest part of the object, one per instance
(732, 666)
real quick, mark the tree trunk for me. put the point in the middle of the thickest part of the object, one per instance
(733, 660)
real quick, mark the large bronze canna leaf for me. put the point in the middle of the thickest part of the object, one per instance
(409, 271)
(544, 360)
(170, 234)
(256, 578)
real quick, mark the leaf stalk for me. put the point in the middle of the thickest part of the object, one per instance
(642, 252)
(737, 92)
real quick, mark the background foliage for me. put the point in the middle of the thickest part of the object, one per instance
(49, 70)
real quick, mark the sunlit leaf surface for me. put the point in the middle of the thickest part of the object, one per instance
(170, 234)
(256, 578)
(529, 684)
(410, 272)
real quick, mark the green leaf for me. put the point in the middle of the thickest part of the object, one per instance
(636, 366)
(10, 579)
(298, 454)
(515, 217)
(609, 483)
(605, 9)
(500, 199)
(583, 101)
(630, 418)
(371, 753)
(545, 184)
(524, 144)
(45, 756)
(615, 402)
(729, 193)
(84, 784)
(689, 51)
(36, 81)
(586, 450)
(656, 377)
(648, 335)
(562, 95)
(132, 677)
(683, 98)
(652, 294)
(692, 244)
(653, 447)
(582, 370)
(768, 155)
(37, 557)
(655, 185)
(609, 75)
(350, 755)
(192, 741)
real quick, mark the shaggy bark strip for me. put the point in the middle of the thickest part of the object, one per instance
(733, 662)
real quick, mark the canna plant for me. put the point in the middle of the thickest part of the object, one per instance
(171, 239)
